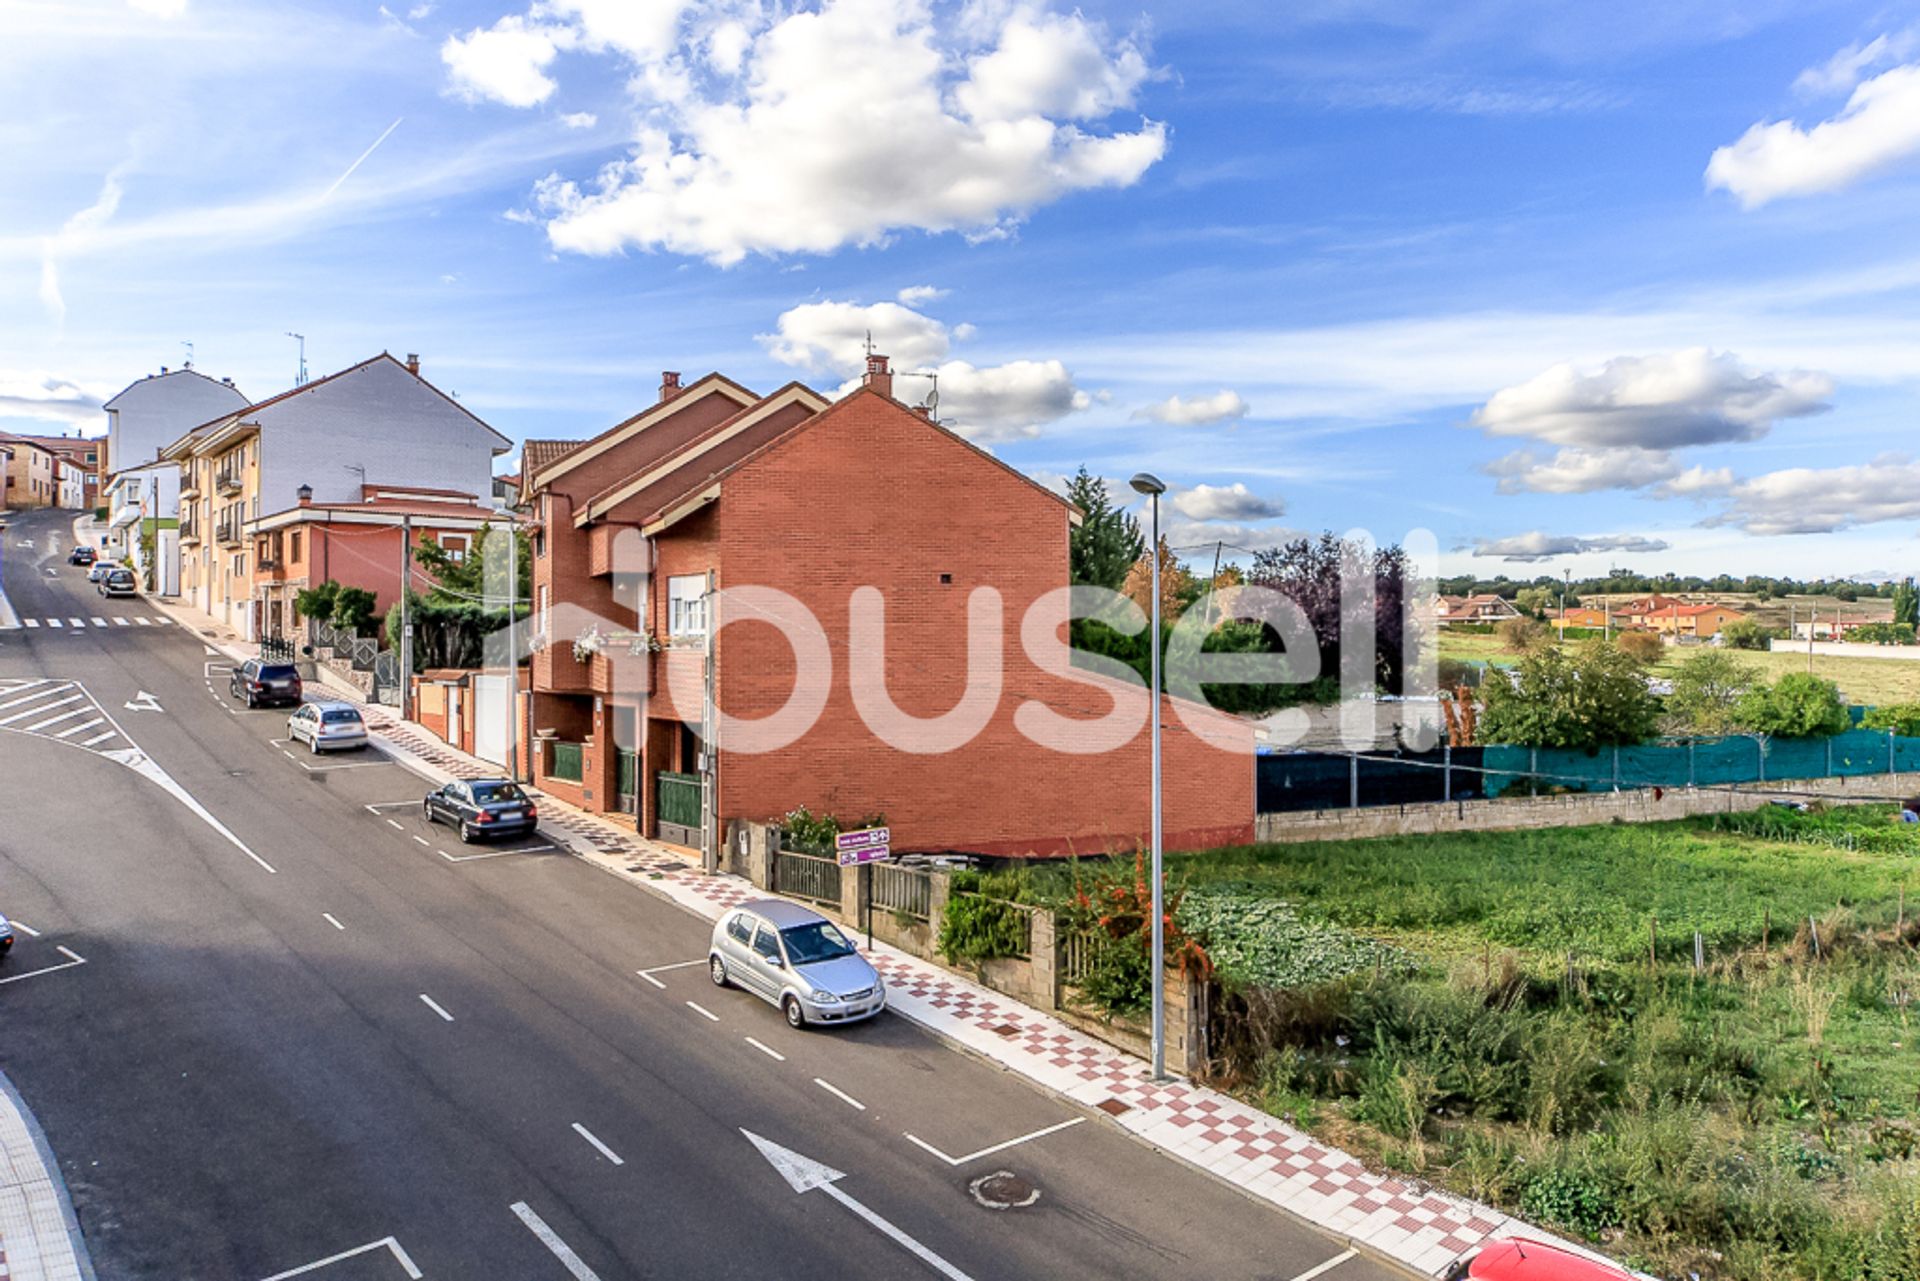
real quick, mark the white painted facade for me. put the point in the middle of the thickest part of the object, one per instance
(159, 409)
(142, 494)
(72, 485)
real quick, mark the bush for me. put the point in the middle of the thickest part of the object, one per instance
(1796, 706)
(1745, 633)
(1575, 1200)
(1260, 941)
(1642, 647)
(317, 602)
(1706, 689)
(353, 609)
(1523, 635)
(1883, 634)
(1902, 718)
(1594, 697)
(977, 928)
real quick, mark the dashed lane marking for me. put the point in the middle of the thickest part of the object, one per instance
(435, 1007)
(703, 1011)
(840, 1094)
(26, 929)
(767, 1050)
(603, 1149)
(333, 920)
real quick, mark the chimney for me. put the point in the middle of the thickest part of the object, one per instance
(413, 363)
(305, 494)
(879, 377)
(669, 384)
(925, 411)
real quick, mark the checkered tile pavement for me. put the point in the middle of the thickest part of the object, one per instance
(1419, 1227)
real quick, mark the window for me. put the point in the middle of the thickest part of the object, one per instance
(687, 605)
(740, 928)
(293, 545)
(546, 603)
(767, 943)
(455, 546)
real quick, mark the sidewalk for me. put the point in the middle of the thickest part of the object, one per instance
(1417, 1227)
(39, 1239)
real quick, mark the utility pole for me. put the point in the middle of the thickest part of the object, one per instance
(1566, 587)
(406, 613)
(300, 376)
(513, 654)
(1812, 627)
(709, 729)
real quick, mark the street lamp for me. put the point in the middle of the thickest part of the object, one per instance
(1152, 486)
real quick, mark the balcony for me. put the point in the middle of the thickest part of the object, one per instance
(189, 483)
(227, 533)
(227, 483)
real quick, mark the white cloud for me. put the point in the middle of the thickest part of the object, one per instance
(1696, 482)
(832, 336)
(1226, 502)
(1538, 546)
(1667, 401)
(1006, 402)
(1199, 539)
(1879, 127)
(579, 120)
(48, 398)
(1843, 70)
(808, 130)
(1809, 500)
(73, 232)
(921, 295)
(1196, 411)
(1582, 471)
(505, 63)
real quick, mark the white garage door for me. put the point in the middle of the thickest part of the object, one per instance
(490, 718)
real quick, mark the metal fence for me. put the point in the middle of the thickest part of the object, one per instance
(806, 876)
(1076, 952)
(386, 678)
(905, 890)
(276, 649)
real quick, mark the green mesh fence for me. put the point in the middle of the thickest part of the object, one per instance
(1702, 762)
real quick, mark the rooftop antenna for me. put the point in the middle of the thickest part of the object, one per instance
(300, 378)
(188, 344)
(869, 343)
(933, 395)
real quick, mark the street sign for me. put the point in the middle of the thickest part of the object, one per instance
(868, 845)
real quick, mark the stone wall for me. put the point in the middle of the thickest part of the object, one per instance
(1580, 809)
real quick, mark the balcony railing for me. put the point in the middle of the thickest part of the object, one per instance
(227, 533)
(227, 483)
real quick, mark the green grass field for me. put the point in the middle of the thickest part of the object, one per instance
(1871, 682)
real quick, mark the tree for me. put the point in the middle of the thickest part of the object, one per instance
(1310, 571)
(1902, 718)
(1745, 633)
(316, 602)
(1643, 647)
(1796, 706)
(1522, 635)
(1706, 690)
(1538, 601)
(465, 579)
(353, 609)
(1177, 587)
(1906, 603)
(1589, 698)
(1108, 542)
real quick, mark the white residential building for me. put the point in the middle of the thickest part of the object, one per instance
(156, 411)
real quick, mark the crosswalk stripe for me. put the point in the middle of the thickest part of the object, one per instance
(143, 621)
(99, 738)
(35, 711)
(98, 720)
(76, 622)
(55, 720)
(118, 621)
(54, 622)
(31, 622)
(163, 621)
(99, 622)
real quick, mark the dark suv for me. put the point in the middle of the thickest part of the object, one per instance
(81, 556)
(265, 684)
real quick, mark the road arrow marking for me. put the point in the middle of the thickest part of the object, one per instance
(145, 703)
(804, 1174)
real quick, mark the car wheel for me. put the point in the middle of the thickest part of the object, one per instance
(717, 970)
(796, 1017)
(467, 835)
(426, 812)
(313, 745)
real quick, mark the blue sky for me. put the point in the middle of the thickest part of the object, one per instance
(1627, 284)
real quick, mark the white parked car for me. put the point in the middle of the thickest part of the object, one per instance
(101, 568)
(795, 958)
(327, 727)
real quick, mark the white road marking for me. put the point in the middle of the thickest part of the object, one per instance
(839, 1093)
(99, 621)
(1328, 1266)
(803, 1175)
(435, 1007)
(31, 622)
(143, 702)
(29, 930)
(99, 738)
(35, 711)
(391, 805)
(54, 622)
(387, 1243)
(333, 921)
(648, 974)
(76, 622)
(68, 733)
(29, 698)
(142, 621)
(73, 959)
(119, 621)
(395, 826)
(767, 1050)
(161, 622)
(703, 1011)
(37, 726)
(423, 840)
(471, 858)
(284, 752)
(551, 1239)
(998, 1147)
(605, 1151)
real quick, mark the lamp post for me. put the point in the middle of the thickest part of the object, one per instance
(1152, 486)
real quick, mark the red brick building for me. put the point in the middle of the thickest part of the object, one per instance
(820, 500)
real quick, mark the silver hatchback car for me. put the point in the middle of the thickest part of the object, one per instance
(327, 727)
(795, 958)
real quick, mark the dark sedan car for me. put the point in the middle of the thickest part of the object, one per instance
(482, 807)
(81, 556)
(265, 684)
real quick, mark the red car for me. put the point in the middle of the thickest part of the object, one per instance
(1514, 1259)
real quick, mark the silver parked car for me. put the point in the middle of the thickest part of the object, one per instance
(6, 937)
(796, 959)
(327, 727)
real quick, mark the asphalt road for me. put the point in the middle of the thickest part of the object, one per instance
(455, 1063)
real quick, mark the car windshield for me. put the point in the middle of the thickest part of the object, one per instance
(495, 793)
(817, 942)
(340, 716)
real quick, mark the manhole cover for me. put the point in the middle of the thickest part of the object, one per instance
(1003, 1190)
